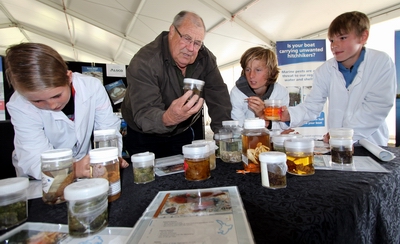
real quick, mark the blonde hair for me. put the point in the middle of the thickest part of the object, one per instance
(267, 55)
(34, 67)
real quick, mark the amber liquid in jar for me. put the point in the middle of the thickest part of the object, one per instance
(109, 172)
(300, 163)
(197, 169)
(252, 146)
(272, 113)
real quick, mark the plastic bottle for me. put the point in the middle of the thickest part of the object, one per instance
(255, 140)
(104, 164)
(143, 167)
(57, 173)
(87, 206)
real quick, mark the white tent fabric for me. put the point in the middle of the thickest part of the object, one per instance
(112, 31)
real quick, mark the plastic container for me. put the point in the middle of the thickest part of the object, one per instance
(211, 153)
(13, 202)
(57, 173)
(193, 84)
(87, 206)
(341, 151)
(143, 167)
(196, 162)
(279, 140)
(273, 169)
(272, 109)
(105, 138)
(255, 140)
(300, 156)
(222, 134)
(294, 95)
(104, 164)
(341, 133)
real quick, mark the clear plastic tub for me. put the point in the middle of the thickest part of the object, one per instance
(57, 173)
(104, 163)
(87, 206)
(300, 156)
(105, 138)
(13, 202)
(143, 167)
(196, 162)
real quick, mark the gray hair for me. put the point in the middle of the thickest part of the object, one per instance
(194, 18)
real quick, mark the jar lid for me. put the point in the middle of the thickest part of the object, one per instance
(230, 123)
(280, 139)
(299, 143)
(56, 153)
(274, 132)
(211, 143)
(254, 123)
(142, 157)
(341, 132)
(272, 157)
(200, 148)
(12, 185)
(86, 189)
(104, 132)
(103, 154)
(193, 81)
(340, 142)
(274, 102)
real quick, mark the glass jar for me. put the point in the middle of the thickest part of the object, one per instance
(300, 156)
(272, 109)
(105, 138)
(273, 169)
(104, 164)
(341, 151)
(255, 140)
(57, 173)
(13, 202)
(278, 141)
(341, 133)
(87, 206)
(143, 167)
(196, 162)
(222, 134)
(211, 153)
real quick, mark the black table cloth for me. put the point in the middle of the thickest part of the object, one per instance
(327, 207)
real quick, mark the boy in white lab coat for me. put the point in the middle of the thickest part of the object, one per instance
(53, 108)
(359, 82)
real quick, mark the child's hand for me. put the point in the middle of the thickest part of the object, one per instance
(122, 163)
(82, 167)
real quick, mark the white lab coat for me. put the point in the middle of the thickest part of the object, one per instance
(363, 106)
(39, 130)
(240, 108)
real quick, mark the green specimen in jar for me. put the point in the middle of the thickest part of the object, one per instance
(143, 174)
(84, 217)
(12, 214)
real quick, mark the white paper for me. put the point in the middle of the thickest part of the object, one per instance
(376, 150)
(360, 163)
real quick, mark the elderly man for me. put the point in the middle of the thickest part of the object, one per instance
(158, 113)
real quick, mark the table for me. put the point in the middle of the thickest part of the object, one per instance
(328, 207)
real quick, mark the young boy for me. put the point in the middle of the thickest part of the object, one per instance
(359, 82)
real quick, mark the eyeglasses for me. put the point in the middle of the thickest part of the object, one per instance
(188, 40)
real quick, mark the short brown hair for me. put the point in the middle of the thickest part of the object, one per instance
(347, 22)
(35, 66)
(260, 53)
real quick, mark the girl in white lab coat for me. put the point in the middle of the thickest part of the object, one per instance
(53, 108)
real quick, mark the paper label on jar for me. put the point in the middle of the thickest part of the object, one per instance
(115, 188)
(264, 175)
(245, 159)
(47, 181)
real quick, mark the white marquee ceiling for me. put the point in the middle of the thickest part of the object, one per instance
(112, 31)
